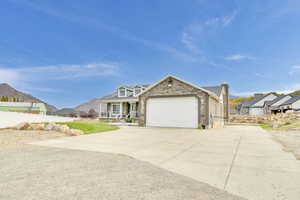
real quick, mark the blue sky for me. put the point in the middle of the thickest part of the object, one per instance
(67, 52)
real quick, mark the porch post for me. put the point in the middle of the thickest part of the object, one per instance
(121, 109)
(100, 111)
(130, 109)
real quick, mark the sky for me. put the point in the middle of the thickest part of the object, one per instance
(67, 52)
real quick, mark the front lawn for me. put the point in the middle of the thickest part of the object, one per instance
(283, 125)
(90, 127)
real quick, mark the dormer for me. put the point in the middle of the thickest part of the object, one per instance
(138, 89)
(125, 92)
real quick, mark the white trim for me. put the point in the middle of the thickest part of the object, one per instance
(174, 77)
(120, 100)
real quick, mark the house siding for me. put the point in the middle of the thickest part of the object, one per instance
(216, 113)
(178, 88)
(296, 105)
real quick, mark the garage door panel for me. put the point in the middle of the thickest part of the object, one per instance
(172, 112)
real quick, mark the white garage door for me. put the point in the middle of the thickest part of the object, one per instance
(172, 112)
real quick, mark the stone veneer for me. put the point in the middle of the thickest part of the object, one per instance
(178, 88)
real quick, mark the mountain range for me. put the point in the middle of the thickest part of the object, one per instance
(10, 92)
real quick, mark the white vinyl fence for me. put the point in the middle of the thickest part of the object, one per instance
(8, 119)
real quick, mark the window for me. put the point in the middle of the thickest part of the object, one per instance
(129, 93)
(122, 92)
(116, 108)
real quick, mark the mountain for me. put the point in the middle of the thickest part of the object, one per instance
(92, 104)
(7, 90)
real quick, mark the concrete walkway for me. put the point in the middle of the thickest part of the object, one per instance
(242, 160)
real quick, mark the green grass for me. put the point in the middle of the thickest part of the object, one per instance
(90, 127)
(284, 126)
(266, 126)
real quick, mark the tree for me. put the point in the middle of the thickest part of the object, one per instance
(92, 114)
(83, 114)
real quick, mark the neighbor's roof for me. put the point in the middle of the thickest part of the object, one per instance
(22, 104)
(270, 103)
(250, 103)
(291, 101)
(247, 103)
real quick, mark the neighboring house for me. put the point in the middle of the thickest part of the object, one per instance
(67, 112)
(171, 102)
(273, 107)
(24, 107)
(292, 104)
(256, 106)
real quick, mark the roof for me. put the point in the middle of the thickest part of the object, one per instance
(270, 103)
(114, 96)
(250, 103)
(22, 104)
(291, 101)
(134, 86)
(212, 94)
(215, 89)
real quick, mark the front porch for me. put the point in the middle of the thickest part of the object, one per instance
(120, 110)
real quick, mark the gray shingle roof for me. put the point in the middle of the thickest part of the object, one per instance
(291, 101)
(215, 89)
(250, 103)
(270, 103)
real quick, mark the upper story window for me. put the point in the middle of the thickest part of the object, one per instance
(122, 92)
(129, 93)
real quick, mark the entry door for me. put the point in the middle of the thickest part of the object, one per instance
(179, 112)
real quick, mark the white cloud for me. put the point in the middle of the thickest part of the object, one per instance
(56, 72)
(27, 78)
(98, 25)
(238, 57)
(195, 34)
(223, 21)
(295, 69)
(9, 76)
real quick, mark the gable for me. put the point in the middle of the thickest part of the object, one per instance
(171, 85)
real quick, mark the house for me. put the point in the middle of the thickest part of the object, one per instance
(273, 107)
(291, 105)
(24, 107)
(171, 102)
(257, 105)
(122, 104)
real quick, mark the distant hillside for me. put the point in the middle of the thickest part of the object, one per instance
(10, 92)
(233, 102)
(296, 93)
(92, 104)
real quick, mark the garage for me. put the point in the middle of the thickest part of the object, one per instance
(181, 112)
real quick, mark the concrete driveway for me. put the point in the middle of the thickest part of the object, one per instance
(242, 160)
